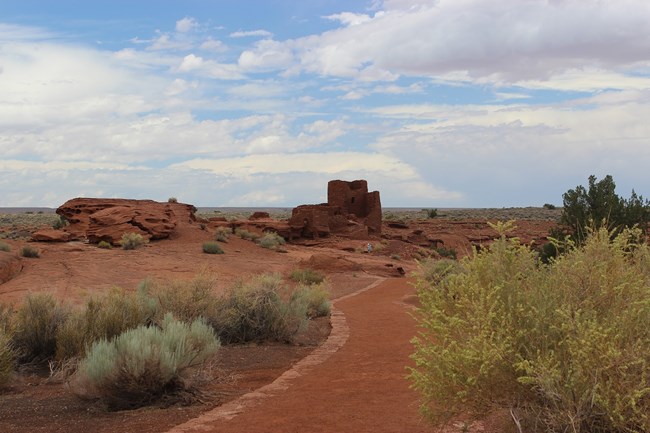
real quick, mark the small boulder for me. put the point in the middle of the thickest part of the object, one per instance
(50, 235)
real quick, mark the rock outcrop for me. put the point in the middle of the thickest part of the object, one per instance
(98, 219)
(50, 235)
(10, 266)
(350, 211)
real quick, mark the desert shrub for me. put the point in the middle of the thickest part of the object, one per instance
(172, 200)
(600, 205)
(5, 247)
(212, 247)
(245, 234)
(35, 327)
(261, 309)
(6, 315)
(271, 240)
(7, 357)
(433, 271)
(449, 253)
(549, 206)
(131, 241)
(29, 252)
(563, 347)
(103, 317)
(222, 234)
(307, 276)
(60, 223)
(316, 299)
(105, 245)
(186, 300)
(431, 213)
(146, 364)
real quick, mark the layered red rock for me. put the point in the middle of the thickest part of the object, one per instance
(350, 211)
(50, 235)
(98, 219)
(10, 266)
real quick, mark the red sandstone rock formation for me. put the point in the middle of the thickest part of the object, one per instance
(10, 266)
(350, 211)
(98, 219)
(50, 235)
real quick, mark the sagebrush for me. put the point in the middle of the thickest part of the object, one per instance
(131, 241)
(563, 347)
(307, 276)
(35, 327)
(212, 247)
(30, 252)
(260, 309)
(145, 364)
(187, 300)
(271, 240)
(222, 234)
(7, 357)
(103, 316)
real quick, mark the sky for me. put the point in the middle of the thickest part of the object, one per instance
(437, 103)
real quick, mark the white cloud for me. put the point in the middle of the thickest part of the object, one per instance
(251, 33)
(500, 41)
(327, 163)
(266, 55)
(213, 45)
(190, 62)
(186, 24)
(349, 19)
(166, 42)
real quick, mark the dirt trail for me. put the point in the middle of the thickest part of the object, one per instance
(360, 387)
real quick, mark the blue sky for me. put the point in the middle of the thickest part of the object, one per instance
(440, 103)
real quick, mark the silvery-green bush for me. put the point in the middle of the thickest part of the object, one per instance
(144, 365)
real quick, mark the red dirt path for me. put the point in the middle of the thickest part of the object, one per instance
(359, 388)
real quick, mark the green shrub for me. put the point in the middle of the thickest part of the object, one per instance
(212, 247)
(433, 271)
(449, 253)
(245, 234)
(307, 276)
(549, 206)
(222, 234)
(146, 364)
(261, 309)
(186, 300)
(563, 347)
(131, 241)
(431, 213)
(316, 299)
(29, 252)
(103, 317)
(36, 324)
(600, 205)
(172, 200)
(60, 223)
(5, 247)
(105, 245)
(7, 357)
(271, 240)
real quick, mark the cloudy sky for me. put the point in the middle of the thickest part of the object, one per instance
(439, 103)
